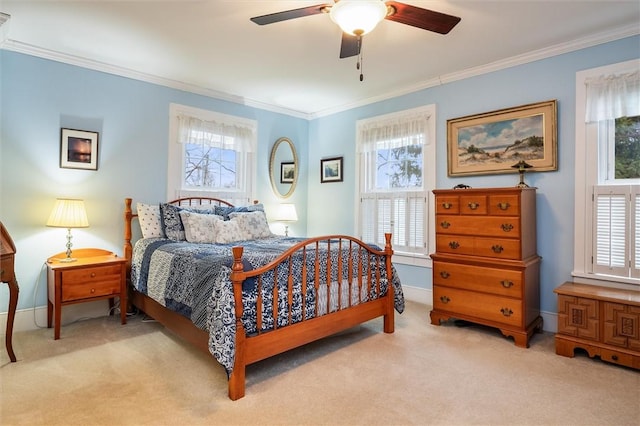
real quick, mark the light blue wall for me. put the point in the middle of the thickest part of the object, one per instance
(40, 96)
(547, 79)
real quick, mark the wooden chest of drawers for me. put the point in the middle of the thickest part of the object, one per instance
(603, 321)
(485, 269)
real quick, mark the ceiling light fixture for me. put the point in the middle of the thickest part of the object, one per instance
(358, 17)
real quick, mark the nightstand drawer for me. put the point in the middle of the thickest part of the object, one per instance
(91, 282)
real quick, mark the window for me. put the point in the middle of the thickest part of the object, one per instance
(396, 155)
(607, 232)
(211, 154)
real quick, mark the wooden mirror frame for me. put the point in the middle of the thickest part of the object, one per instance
(274, 169)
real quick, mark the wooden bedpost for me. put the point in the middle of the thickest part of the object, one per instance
(389, 317)
(237, 377)
(127, 250)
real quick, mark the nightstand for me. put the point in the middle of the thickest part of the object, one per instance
(95, 275)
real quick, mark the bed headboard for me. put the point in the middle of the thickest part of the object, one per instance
(129, 215)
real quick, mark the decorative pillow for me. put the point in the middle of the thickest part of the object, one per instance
(171, 222)
(150, 221)
(252, 225)
(227, 231)
(225, 211)
(198, 227)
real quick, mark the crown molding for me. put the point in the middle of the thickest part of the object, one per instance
(548, 52)
(581, 43)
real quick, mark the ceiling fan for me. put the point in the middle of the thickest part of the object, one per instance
(358, 17)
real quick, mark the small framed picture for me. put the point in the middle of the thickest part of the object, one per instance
(287, 172)
(78, 149)
(331, 170)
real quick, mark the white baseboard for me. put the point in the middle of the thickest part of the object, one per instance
(32, 319)
(425, 296)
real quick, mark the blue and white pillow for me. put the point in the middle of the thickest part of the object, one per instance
(172, 223)
(227, 231)
(225, 211)
(150, 220)
(253, 225)
(199, 227)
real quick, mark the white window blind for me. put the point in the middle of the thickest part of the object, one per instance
(616, 213)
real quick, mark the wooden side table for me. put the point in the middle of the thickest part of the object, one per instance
(96, 274)
(8, 275)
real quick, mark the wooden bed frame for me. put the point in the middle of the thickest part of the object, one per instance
(250, 349)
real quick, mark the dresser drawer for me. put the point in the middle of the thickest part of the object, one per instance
(498, 309)
(501, 227)
(475, 204)
(448, 204)
(504, 205)
(498, 248)
(477, 278)
(91, 282)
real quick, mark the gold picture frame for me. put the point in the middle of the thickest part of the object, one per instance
(492, 142)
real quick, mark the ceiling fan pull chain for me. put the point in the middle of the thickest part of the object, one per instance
(360, 64)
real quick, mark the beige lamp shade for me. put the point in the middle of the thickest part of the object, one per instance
(287, 213)
(68, 213)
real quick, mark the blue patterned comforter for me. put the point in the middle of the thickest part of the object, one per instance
(194, 280)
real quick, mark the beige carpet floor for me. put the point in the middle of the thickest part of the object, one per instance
(102, 373)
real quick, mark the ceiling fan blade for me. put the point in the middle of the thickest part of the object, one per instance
(289, 14)
(422, 18)
(350, 46)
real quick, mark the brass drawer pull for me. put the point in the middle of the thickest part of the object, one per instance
(447, 206)
(506, 227)
(497, 248)
(444, 299)
(445, 274)
(506, 312)
(503, 206)
(506, 283)
(474, 206)
(454, 244)
(445, 224)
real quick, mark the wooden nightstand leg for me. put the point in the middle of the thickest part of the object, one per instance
(49, 313)
(13, 303)
(56, 322)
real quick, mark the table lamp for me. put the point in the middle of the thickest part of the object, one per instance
(68, 213)
(286, 213)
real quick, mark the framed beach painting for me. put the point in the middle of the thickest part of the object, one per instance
(493, 142)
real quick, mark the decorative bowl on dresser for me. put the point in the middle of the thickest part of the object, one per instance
(603, 321)
(485, 268)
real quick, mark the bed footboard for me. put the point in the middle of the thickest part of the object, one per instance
(356, 291)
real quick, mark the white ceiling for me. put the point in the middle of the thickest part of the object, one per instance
(212, 47)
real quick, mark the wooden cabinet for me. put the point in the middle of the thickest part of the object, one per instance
(603, 321)
(485, 268)
(95, 275)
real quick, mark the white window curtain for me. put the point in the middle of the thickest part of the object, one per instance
(394, 132)
(210, 133)
(613, 96)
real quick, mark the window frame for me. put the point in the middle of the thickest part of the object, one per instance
(175, 163)
(429, 182)
(587, 177)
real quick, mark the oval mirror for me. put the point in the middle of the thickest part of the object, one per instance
(283, 168)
